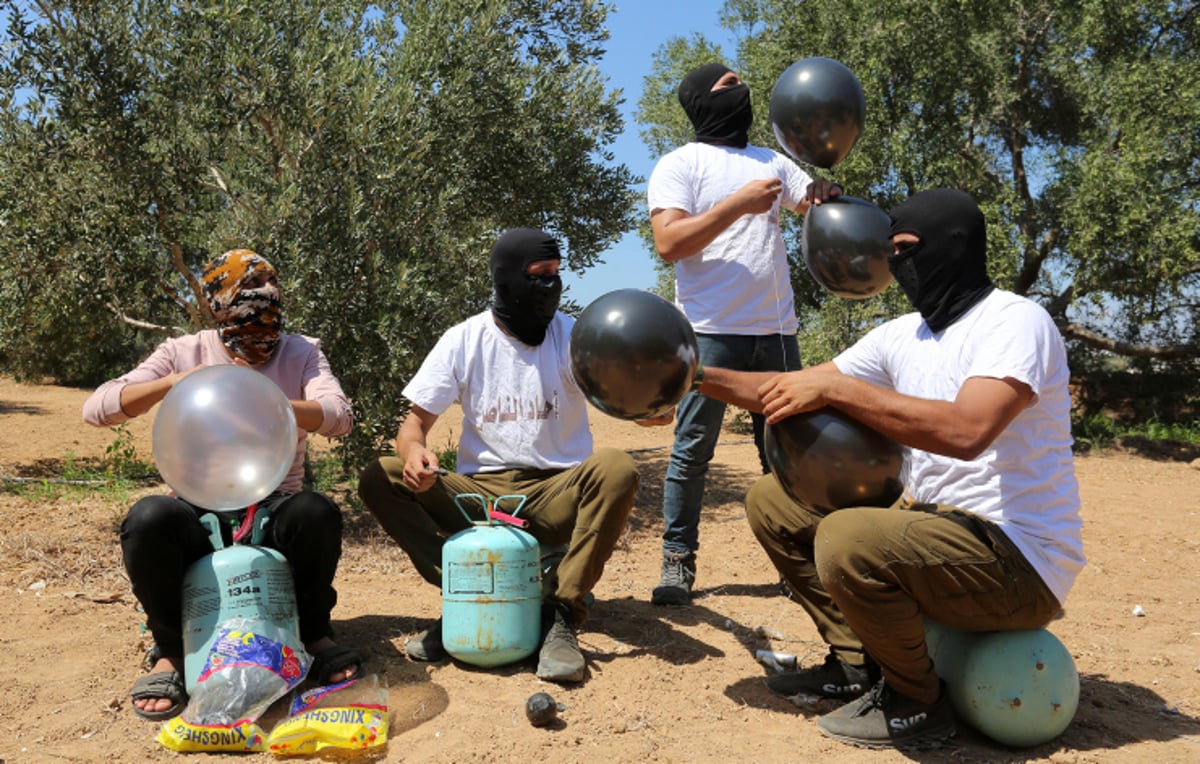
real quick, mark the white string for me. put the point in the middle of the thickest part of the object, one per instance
(775, 288)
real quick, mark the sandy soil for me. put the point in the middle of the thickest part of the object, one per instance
(664, 685)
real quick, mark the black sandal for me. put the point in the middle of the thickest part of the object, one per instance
(163, 684)
(334, 660)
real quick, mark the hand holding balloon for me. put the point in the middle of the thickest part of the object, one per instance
(822, 190)
(797, 392)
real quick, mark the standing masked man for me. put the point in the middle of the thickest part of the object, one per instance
(714, 210)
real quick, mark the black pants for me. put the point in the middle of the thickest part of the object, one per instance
(162, 536)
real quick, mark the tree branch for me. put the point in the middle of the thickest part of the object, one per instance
(1099, 341)
(1057, 308)
(1032, 266)
(139, 324)
(237, 202)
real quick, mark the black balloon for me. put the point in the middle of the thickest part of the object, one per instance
(846, 245)
(633, 354)
(827, 460)
(817, 111)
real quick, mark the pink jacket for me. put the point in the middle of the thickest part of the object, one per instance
(298, 367)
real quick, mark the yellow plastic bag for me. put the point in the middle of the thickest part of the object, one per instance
(183, 736)
(351, 714)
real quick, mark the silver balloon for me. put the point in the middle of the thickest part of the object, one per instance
(633, 354)
(224, 437)
(817, 111)
(845, 243)
(827, 460)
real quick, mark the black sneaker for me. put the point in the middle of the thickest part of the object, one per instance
(427, 646)
(560, 659)
(833, 680)
(675, 585)
(886, 719)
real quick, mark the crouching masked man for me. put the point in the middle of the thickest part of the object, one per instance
(524, 432)
(987, 537)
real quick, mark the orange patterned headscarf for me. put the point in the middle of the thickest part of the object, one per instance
(243, 293)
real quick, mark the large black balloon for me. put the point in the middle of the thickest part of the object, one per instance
(827, 460)
(845, 244)
(633, 354)
(817, 111)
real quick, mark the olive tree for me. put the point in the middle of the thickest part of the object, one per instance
(371, 151)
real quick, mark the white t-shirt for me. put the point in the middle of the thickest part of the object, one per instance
(739, 283)
(521, 407)
(1025, 480)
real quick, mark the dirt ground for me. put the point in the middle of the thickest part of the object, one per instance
(663, 685)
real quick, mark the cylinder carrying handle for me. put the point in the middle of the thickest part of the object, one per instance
(490, 514)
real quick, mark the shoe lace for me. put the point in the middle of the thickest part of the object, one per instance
(675, 571)
(876, 697)
(561, 632)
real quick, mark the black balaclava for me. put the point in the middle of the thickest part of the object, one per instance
(945, 273)
(524, 304)
(721, 117)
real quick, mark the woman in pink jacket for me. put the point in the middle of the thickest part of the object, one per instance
(162, 535)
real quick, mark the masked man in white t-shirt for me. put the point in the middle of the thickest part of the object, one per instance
(987, 536)
(524, 432)
(714, 210)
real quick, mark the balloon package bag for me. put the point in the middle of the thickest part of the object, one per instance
(351, 714)
(243, 673)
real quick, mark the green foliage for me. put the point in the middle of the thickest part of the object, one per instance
(323, 474)
(1071, 121)
(121, 458)
(448, 458)
(1097, 431)
(115, 477)
(371, 150)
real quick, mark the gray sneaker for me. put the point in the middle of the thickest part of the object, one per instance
(427, 646)
(561, 659)
(834, 680)
(675, 585)
(884, 718)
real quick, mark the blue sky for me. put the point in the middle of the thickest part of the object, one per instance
(638, 29)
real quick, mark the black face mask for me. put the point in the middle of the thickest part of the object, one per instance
(721, 117)
(944, 274)
(522, 303)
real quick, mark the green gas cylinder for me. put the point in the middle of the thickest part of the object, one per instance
(239, 608)
(491, 587)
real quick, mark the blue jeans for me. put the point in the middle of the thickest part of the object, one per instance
(698, 424)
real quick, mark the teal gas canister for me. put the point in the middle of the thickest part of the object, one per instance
(242, 583)
(491, 586)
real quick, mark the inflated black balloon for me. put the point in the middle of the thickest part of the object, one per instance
(845, 244)
(633, 354)
(827, 460)
(817, 111)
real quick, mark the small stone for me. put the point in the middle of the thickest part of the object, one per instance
(541, 709)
